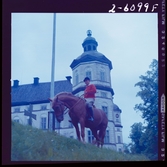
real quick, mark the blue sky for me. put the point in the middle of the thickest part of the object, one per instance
(129, 40)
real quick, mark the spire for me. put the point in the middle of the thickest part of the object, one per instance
(89, 33)
(89, 43)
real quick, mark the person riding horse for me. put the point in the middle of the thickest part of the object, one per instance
(89, 95)
(78, 114)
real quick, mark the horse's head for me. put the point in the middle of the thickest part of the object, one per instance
(58, 108)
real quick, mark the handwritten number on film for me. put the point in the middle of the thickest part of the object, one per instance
(132, 8)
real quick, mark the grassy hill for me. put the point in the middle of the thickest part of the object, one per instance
(32, 144)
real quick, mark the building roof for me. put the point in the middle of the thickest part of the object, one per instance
(37, 93)
(90, 52)
(116, 108)
(91, 56)
(89, 38)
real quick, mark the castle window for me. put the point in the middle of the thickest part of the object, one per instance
(43, 122)
(89, 47)
(88, 74)
(118, 129)
(43, 107)
(17, 109)
(76, 79)
(57, 124)
(84, 48)
(105, 109)
(120, 150)
(94, 48)
(107, 138)
(102, 76)
(90, 136)
(117, 120)
(103, 94)
(119, 139)
(16, 119)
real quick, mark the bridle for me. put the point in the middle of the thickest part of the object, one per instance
(76, 102)
(59, 105)
(62, 103)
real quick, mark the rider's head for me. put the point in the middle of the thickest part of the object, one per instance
(87, 80)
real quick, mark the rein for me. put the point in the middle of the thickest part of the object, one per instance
(76, 102)
(73, 105)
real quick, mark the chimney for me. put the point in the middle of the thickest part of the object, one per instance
(36, 80)
(15, 83)
(69, 78)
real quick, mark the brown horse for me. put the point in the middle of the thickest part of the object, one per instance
(78, 114)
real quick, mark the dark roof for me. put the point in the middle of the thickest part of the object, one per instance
(39, 93)
(91, 56)
(116, 108)
(89, 40)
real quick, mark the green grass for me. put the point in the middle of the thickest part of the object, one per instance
(32, 144)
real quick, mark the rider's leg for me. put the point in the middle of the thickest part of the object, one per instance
(89, 103)
(91, 114)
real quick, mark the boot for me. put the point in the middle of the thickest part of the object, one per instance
(91, 114)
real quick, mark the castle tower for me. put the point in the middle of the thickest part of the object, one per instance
(97, 67)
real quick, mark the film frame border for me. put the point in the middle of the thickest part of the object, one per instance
(122, 7)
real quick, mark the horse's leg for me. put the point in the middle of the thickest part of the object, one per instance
(82, 125)
(94, 132)
(77, 131)
(75, 123)
(102, 133)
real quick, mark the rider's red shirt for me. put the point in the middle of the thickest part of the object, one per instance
(90, 91)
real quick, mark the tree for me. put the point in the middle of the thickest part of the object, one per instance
(126, 148)
(149, 109)
(136, 134)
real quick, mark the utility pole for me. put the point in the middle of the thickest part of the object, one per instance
(51, 115)
(53, 57)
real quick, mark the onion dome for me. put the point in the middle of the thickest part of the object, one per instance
(90, 52)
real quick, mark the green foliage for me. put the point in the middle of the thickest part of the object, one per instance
(145, 139)
(149, 95)
(135, 135)
(126, 148)
(32, 144)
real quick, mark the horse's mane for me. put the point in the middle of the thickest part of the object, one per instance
(67, 94)
(64, 93)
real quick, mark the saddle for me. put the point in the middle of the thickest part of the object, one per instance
(88, 109)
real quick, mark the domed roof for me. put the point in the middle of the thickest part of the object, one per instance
(89, 39)
(116, 108)
(90, 54)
